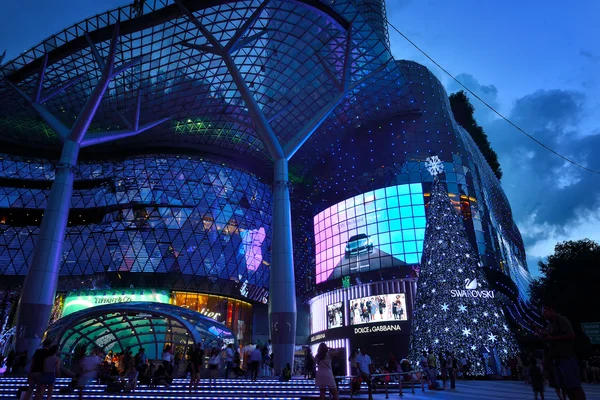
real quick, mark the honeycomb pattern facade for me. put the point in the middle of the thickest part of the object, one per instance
(158, 214)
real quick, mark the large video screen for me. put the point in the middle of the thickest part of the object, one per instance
(335, 315)
(381, 308)
(379, 229)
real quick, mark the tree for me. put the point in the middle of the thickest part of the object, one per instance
(569, 281)
(455, 308)
(463, 112)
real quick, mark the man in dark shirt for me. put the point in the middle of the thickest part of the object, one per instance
(37, 368)
(560, 339)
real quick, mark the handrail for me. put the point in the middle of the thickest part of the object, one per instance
(386, 383)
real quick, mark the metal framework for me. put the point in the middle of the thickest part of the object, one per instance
(254, 77)
(128, 325)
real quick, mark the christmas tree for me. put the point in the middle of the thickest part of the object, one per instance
(455, 308)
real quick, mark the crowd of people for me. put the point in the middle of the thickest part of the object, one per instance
(46, 366)
(557, 364)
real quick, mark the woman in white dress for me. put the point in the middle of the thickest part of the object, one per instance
(324, 378)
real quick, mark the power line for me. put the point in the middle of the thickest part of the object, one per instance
(518, 128)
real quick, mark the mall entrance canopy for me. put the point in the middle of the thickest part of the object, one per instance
(133, 325)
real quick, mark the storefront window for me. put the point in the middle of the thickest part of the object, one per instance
(235, 314)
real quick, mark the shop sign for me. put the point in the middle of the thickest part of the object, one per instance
(592, 330)
(75, 302)
(210, 314)
(317, 337)
(360, 330)
(471, 290)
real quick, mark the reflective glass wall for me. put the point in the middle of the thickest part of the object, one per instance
(144, 221)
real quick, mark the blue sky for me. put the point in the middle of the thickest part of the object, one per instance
(536, 61)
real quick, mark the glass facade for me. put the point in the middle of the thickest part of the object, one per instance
(391, 152)
(161, 215)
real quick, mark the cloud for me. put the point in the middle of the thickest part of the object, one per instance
(552, 200)
(489, 93)
(589, 56)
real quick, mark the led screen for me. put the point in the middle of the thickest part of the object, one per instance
(382, 228)
(381, 308)
(335, 315)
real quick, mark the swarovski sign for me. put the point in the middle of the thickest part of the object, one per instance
(471, 290)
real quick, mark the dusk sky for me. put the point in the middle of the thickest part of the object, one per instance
(536, 61)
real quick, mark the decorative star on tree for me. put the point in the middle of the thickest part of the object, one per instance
(451, 266)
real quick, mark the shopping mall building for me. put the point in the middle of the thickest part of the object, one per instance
(213, 158)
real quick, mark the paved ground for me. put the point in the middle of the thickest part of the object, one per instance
(482, 390)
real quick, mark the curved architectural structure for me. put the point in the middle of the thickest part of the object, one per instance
(234, 72)
(157, 146)
(368, 203)
(123, 326)
(141, 220)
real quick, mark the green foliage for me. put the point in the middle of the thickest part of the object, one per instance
(463, 112)
(570, 281)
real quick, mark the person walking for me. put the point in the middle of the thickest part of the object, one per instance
(364, 367)
(428, 371)
(140, 358)
(352, 360)
(536, 377)
(88, 367)
(37, 369)
(167, 356)
(309, 364)
(443, 368)
(324, 377)
(560, 339)
(213, 365)
(432, 361)
(255, 359)
(196, 366)
(51, 370)
(450, 369)
(228, 360)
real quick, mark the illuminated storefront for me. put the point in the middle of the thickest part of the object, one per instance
(234, 314)
(374, 315)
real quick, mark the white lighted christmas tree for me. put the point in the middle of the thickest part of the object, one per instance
(455, 308)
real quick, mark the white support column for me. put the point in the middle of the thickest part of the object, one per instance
(282, 286)
(39, 288)
(37, 296)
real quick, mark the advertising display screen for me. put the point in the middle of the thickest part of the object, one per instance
(335, 315)
(379, 229)
(381, 308)
(75, 302)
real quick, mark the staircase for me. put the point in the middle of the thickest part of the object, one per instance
(226, 389)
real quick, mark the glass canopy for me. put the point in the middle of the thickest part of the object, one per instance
(122, 326)
(292, 56)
